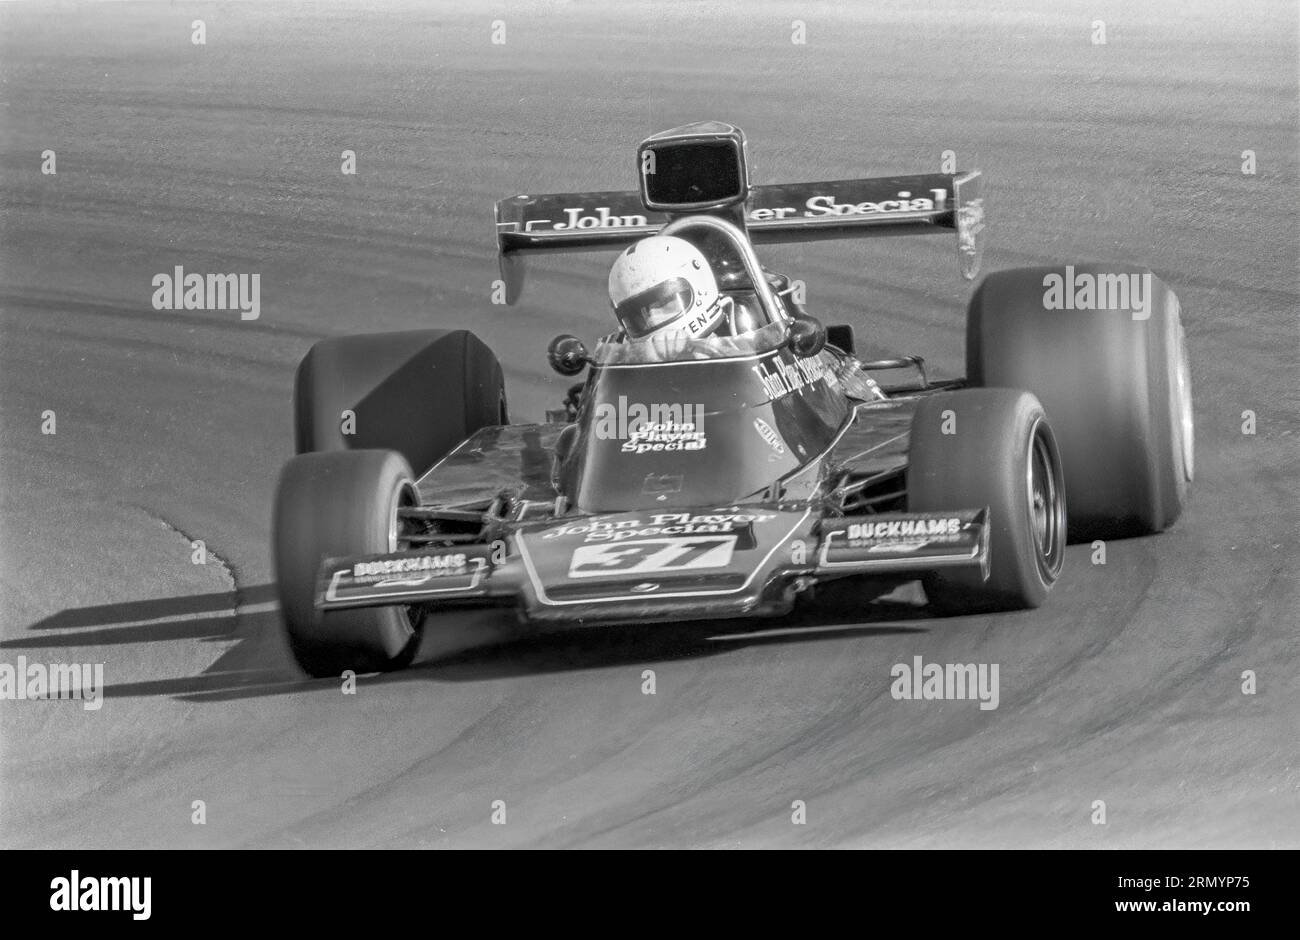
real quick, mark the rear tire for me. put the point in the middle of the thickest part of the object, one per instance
(420, 393)
(336, 504)
(1000, 454)
(1116, 389)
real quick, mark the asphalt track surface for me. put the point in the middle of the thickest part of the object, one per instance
(172, 425)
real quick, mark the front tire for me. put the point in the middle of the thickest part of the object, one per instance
(334, 504)
(991, 447)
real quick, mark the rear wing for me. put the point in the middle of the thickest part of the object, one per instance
(791, 212)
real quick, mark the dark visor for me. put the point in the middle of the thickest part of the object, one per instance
(647, 311)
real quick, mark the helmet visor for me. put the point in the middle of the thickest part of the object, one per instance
(643, 313)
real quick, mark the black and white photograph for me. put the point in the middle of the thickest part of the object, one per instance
(660, 424)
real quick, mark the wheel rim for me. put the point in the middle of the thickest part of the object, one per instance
(405, 497)
(1046, 505)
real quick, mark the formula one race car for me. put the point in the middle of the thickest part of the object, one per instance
(731, 479)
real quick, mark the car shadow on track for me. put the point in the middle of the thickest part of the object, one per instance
(582, 648)
(487, 646)
(242, 618)
(191, 617)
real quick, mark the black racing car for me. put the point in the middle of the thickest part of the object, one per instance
(730, 479)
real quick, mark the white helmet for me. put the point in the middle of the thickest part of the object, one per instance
(664, 283)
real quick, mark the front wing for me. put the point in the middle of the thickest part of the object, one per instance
(667, 566)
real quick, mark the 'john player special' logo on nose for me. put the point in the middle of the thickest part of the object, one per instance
(651, 428)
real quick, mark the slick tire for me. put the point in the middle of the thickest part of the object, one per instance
(420, 393)
(334, 504)
(1115, 384)
(991, 447)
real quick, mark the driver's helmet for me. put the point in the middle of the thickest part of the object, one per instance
(663, 284)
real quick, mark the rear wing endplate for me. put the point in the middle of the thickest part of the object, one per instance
(791, 212)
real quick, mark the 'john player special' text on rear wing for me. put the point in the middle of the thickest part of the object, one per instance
(791, 212)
